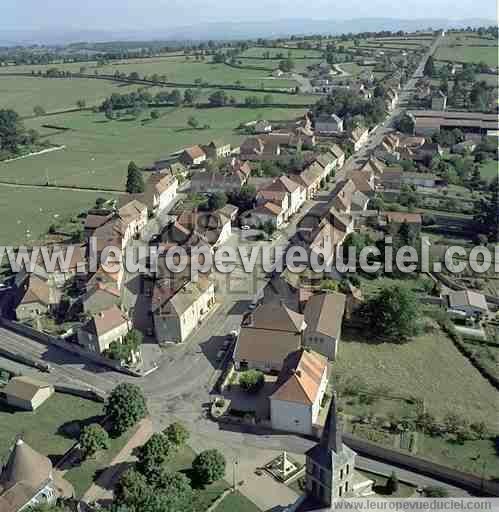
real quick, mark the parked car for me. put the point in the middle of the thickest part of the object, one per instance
(245, 228)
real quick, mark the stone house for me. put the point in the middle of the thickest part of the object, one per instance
(35, 297)
(328, 123)
(217, 149)
(324, 316)
(290, 188)
(267, 336)
(193, 156)
(102, 329)
(339, 154)
(266, 212)
(133, 216)
(99, 298)
(310, 179)
(359, 137)
(260, 149)
(229, 179)
(177, 312)
(26, 393)
(302, 382)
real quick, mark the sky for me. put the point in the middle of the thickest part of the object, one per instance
(154, 14)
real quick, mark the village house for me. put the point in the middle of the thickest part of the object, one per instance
(230, 211)
(328, 123)
(266, 212)
(217, 149)
(109, 277)
(467, 146)
(134, 219)
(339, 154)
(391, 180)
(328, 163)
(278, 197)
(177, 312)
(309, 179)
(228, 179)
(161, 191)
(28, 480)
(472, 304)
(323, 316)
(267, 336)
(94, 220)
(396, 219)
(100, 297)
(364, 182)
(193, 156)
(26, 393)
(287, 186)
(35, 297)
(259, 148)
(359, 137)
(103, 328)
(302, 382)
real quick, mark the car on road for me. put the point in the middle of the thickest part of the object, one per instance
(233, 334)
(245, 228)
(220, 355)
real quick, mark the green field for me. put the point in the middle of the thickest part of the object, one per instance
(489, 169)
(236, 502)
(428, 367)
(465, 47)
(98, 151)
(41, 429)
(35, 209)
(23, 94)
(181, 69)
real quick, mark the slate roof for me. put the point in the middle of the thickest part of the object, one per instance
(324, 313)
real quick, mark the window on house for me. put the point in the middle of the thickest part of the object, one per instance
(341, 474)
(346, 486)
(348, 469)
(340, 491)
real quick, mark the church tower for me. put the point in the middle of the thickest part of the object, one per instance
(330, 463)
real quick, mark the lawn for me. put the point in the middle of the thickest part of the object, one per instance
(428, 367)
(204, 496)
(236, 502)
(489, 169)
(42, 429)
(29, 212)
(83, 476)
(98, 151)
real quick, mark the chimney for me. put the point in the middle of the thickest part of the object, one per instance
(298, 373)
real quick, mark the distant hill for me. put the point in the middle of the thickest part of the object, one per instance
(234, 30)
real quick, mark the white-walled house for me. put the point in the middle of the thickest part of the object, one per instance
(469, 302)
(268, 212)
(302, 382)
(177, 313)
(102, 329)
(163, 190)
(324, 316)
(329, 123)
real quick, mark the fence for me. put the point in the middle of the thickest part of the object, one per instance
(424, 467)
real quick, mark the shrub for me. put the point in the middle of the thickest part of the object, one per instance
(92, 439)
(209, 466)
(252, 381)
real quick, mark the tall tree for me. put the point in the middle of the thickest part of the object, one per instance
(429, 67)
(135, 181)
(126, 406)
(92, 439)
(209, 466)
(393, 314)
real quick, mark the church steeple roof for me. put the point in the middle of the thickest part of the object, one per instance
(26, 465)
(332, 433)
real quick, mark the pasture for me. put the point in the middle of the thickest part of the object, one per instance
(98, 150)
(27, 213)
(22, 94)
(466, 47)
